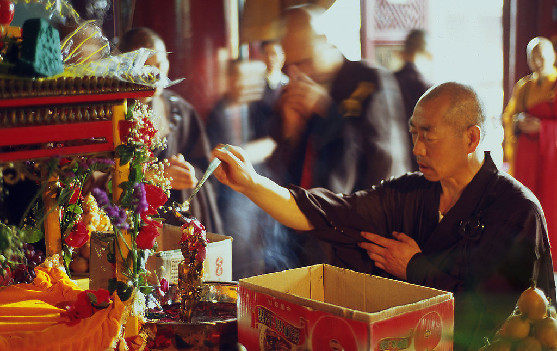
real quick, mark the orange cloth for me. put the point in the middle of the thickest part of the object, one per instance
(30, 320)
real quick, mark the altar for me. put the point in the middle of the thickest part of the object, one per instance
(61, 124)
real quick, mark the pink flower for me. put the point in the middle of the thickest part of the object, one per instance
(164, 286)
(78, 236)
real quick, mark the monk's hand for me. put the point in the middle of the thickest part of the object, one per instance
(391, 255)
(236, 170)
(308, 96)
(180, 172)
(527, 123)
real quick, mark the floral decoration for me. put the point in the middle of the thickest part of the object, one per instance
(134, 212)
(86, 304)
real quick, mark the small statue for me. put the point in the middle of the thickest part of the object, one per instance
(194, 249)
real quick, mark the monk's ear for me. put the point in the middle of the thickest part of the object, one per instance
(473, 134)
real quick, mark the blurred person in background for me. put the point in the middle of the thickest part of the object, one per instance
(188, 148)
(277, 243)
(263, 111)
(411, 82)
(530, 125)
(235, 120)
(343, 125)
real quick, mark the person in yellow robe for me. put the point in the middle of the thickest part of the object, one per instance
(530, 123)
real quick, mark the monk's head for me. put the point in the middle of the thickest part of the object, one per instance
(446, 127)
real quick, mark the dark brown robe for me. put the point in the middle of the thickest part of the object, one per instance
(485, 250)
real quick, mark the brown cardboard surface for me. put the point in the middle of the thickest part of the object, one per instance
(319, 306)
(369, 298)
(171, 234)
(164, 262)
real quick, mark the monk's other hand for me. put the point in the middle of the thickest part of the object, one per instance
(391, 255)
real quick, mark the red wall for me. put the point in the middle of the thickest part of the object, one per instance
(193, 31)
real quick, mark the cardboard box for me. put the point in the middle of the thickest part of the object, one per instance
(164, 262)
(323, 307)
(100, 270)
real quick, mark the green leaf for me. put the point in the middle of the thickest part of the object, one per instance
(92, 297)
(75, 208)
(124, 291)
(129, 113)
(4, 241)
(32, 235)
(112, 285)
(136, 173)
(125, 152)
(65, 195)
(146, 289)
(67, 255)
(6, 232)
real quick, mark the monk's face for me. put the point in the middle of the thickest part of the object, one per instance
(440, 149)
(159, 60)
(541, 60)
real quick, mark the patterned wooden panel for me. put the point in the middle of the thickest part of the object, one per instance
(393, 19)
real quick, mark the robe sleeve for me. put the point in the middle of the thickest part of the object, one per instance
(513, 107)
(339, 219)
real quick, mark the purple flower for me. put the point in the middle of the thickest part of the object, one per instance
(117, 216)
(103, 161)
(139, 198)
(101, 197)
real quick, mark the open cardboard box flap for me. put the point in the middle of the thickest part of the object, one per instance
(346, 293)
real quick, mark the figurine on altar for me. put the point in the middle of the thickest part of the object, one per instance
(187, 149)
(194, 249)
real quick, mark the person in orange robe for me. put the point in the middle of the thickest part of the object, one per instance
(530, 123)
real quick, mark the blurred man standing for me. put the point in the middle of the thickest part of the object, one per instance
(411, 82)
(343, 123)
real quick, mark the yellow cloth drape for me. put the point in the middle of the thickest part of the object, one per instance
(30, 320)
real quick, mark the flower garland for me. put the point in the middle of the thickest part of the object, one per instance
(143, 193)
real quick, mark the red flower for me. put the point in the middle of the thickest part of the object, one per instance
(155, 198)
(6, 276)
(87, 303)
(147, 132)
(82, 307)
(147, 235)
(125, 128)
(164, 285)
(148, 221)
(78, 236)
(64, 161)
(99, 299)
(75, 195)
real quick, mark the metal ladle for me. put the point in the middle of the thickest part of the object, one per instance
(185, 206)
